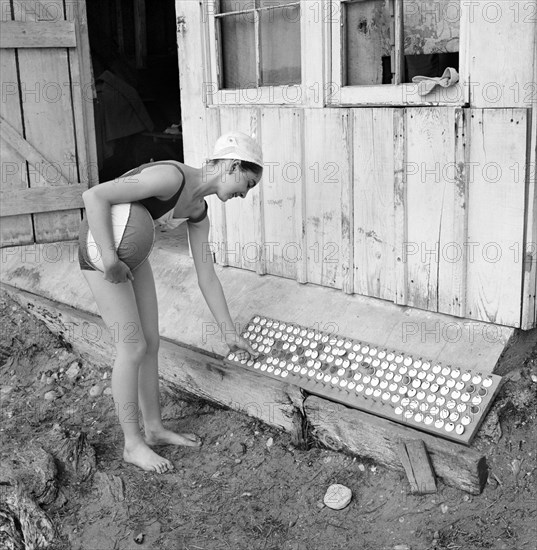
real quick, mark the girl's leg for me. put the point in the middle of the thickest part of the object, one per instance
(117, 305)
(148, 381)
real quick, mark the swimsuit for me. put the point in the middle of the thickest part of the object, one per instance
(135, 239)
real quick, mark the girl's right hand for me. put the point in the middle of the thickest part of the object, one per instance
(118, 272)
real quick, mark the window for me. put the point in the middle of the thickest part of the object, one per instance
(255, 50)
(378, 46)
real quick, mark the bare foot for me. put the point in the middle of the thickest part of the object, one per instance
(141, 455)
(167, 437)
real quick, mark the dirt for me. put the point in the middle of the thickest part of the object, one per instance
(247, 487)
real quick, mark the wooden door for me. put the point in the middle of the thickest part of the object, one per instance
(47, 139)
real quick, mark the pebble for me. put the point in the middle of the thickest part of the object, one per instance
(73, 371)
(361, 467)
(337, 496)
(401, 547)
(534, 377)
(269, 443)
(444, 508)
(50, 396)
(238, 461)
(105, 376)
(96, 390)
(107, 391)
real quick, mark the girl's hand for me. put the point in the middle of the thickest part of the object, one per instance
(240, 347)
(118, 272)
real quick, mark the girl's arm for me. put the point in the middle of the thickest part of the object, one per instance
(160, 181)
(211, 288)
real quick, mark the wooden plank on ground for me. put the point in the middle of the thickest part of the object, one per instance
(270, 400)
(496, 206)
(44, 34)
(422, 472)
(363, 434)
(14, 175)
(374, 232)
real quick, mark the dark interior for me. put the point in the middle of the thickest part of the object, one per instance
(137, 109)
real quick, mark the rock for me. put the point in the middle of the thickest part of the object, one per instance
(361, 467)
(50, 396)
(401, 547)
(96, 391)
(238, 461)
(107, 391)
(269, 443)
(73, 371)
(534, 377)
(444, 508)
(337, 496)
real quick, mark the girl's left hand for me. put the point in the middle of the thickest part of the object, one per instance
(240, 347)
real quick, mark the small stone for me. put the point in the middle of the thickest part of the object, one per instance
(534, 377)
(269, 443)
(43, 377)
(139, 538)
(436, 535)
(50, 396)
(320, 504)
(107, 391)
(60, 391)
(73, 371)
(246, 494)
(444, 508)
(401, 547)
(49, 380)
(4, 390)
(96, 390)
(105, 376)
(337, 496)
(238, 461)
(361, 467)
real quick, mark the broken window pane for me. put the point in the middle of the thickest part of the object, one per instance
(431, 30)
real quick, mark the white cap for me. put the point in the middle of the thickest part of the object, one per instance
(237, 146)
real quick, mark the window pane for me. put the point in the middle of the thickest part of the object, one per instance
(280, 45)
(236, 5)
(368, 42)
(238, 51)
(431, 36)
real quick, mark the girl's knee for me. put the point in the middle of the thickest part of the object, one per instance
(152, 344)
(133, 351)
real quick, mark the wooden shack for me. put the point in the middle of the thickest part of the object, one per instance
(385, 213)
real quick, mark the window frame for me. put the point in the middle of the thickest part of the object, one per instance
(290, 94)
(394, 94)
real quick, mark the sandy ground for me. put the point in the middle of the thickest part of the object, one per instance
(247, 487)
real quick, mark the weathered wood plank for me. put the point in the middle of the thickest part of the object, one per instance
(44, 34)
(49, 122)
(504, 79)
(496, 201)
(270, 400)
(327, 178)
(421, 466)
(41, 199)
(281, 138)
(243, 230)
(400, 225)
(363, 434)
(30, 153)
(529, 301)
(374, 213)
(17, 229)
(192, 81)
(430, 135)
(217, 210)
(83, 93)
